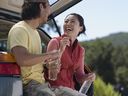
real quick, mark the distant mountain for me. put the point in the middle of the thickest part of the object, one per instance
(117, 39)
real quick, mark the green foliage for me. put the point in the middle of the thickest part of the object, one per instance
(120, 55)
(102, 89)
(108, 57)
(99, 55)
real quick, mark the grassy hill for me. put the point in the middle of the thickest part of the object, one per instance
(117, 39)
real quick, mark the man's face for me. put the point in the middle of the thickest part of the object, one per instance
(45, 12)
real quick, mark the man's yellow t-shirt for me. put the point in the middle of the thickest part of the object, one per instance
(21, 34)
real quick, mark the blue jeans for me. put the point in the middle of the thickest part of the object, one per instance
(34, 88)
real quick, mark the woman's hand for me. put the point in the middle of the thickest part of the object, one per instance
(65, 41)
(90, 76)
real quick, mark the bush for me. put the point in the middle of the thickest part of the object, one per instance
(102, 89)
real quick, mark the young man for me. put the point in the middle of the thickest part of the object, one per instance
(25, 44)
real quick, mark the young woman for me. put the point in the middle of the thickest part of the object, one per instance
(72, 53)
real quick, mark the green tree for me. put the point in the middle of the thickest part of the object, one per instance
(120, 62)
(99, 54)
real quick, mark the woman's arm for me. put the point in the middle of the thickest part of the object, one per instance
(80, 74)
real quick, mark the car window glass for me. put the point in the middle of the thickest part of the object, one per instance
(50, 29)
(52, 1)
(3, 45)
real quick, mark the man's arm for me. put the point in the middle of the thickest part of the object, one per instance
(24, 58)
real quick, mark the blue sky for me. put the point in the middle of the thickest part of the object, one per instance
(102, 17)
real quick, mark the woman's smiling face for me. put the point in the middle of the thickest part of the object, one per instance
(72, 26)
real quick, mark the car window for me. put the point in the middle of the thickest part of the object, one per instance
(3, 45)
(50, 28)
(52, 1)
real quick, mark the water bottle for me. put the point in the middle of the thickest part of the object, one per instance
(85, 86)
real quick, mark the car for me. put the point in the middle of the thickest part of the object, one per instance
(10, 76)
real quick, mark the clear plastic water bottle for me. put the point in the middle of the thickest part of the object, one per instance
(85, 86)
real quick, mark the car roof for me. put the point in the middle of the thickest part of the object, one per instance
(13, 7)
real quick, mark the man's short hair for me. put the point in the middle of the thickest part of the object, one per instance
(31, 9)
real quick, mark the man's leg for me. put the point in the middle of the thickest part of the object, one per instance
(36, 89)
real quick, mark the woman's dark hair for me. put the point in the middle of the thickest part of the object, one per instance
(81, 21)
(31, 10)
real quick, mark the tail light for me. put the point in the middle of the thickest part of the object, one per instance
(8, 65)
